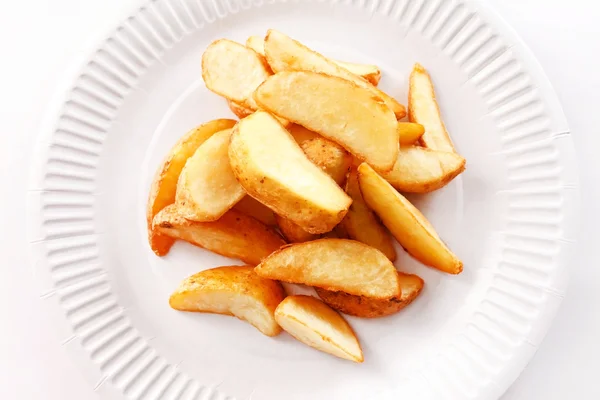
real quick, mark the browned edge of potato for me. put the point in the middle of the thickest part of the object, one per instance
(164, 185)
(255, 209)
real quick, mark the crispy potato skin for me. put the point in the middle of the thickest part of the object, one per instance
(239, 110)
(423, 109)
(164, 185)
(410, 228)
(292, 232)
(422, 170)
(232, 290)
(256, 210)
(234, 235)
(259, 147)
(302, 134)
(329, 156)
(360, 223)
(315, 324)
(341, 265)
(286, 54)
(366, 307)
(339, 111)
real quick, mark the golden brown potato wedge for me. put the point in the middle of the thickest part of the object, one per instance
(409, 132)
(366, 307)
(234, 235)
(239, 110)
(422, 170)
(232, 290)
(329, 156)
(334, 264)
(233, 71)
(207, 188)
(423, 109)
(292, 232)
(257, 210)
(361, 224)
(370, 72)
(286, 54)
(314, 323)
(272, 168)
(164, 186)
(301, 134)
(407, 224)
(336, 109)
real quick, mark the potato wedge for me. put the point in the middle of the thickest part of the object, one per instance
(334, 264)
(423, 109)
(314, 323)
(292, 232)
(301, 134)
(422, 170)
(286, 54)
(336, 109)
(361, 224)
(370, 72)
(272, 168)
(232, 290)
(207, 188)
(234, 235)
(239, 110)
(366, 307)
(333, 159)
(257, 210)
(409, 132)
(164, 186)
(405, 222)
(233, 71)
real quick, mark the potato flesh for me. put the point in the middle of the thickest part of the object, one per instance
(292, 232)
(423, 109)
(164, 186)
(334, 264)
(361, 224)
(257, 210)
(234, 235)
(207, 188)
(286, 54)
(337, 110)
(405, 222)
(272, 168)
(232, 290)
(409, 132)
(314, 323)
(233, 71)
(422, 170)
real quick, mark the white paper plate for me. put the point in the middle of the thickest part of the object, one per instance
(510, 216)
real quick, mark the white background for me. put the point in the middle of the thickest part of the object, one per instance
(40, 38)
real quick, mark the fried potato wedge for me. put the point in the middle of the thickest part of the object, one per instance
(409, 132)
(361, 223)
(164, 186)
(239, 110)
(334, 264)
(366, 307)
(233, 71)
(234, 235)
(286, 54)
(422, 170)
(292, 232)
(272, 168)
(370, 72)
(336, 109)
(314, 323)
(257, 210)
(405, 222)
(423, 109)
(332, 158)
(301, 134)
(232, 290)
(207, 188)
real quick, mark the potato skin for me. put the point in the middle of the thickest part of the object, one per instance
(366, 307)
(229, 282)
(332, 158)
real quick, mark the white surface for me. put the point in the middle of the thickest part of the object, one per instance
(562, 367)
